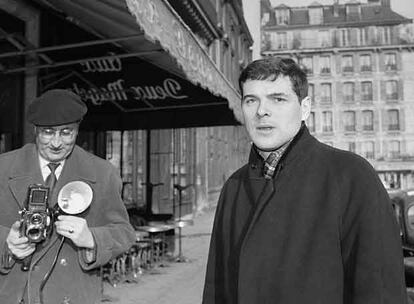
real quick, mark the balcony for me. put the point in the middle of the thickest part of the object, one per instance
(348, 69)
(392, 96)
(326, 99)
(349, 98)
(327, 129)
(390, 67)
(349, 128)
(325, 71)
(368, 128)
(366, 68)
(366, 97)
(393, 127)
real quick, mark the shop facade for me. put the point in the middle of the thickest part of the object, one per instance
(161, 92)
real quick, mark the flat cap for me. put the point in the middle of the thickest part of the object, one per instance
(56, 107)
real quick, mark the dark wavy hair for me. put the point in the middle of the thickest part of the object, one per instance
(273, 67)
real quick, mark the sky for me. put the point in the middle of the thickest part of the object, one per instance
(403, 7)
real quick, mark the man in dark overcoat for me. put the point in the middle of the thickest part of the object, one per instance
(64, 268)
(302, 222)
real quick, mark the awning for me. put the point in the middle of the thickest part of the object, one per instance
(158, 36)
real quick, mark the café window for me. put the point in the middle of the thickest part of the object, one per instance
(394, 149)
(365, 63)
(368, 149)
(327, 121)
(349, 92)
(347, 64)
(390, 62)
(366, 91)
(326, 93)
(391, 90)
(310, 123)
(307, 64)
(349, 121)
(393, 120)
(368, 120)
(325, 64)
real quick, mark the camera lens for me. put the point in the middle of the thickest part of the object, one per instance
(36, 219)
(34, 234)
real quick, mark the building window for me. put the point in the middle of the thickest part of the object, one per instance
(365, 63)
(326, 93)
(394, 149)
(391, 90)
(311, 92)
(366, 91)
(327, 121)
(349, 92)
(386, 35)
(324, 39)
(347, 64)
(368, 149)
(390, 62)
(281, 40)
(351, 147)
(325, 64)
(363, 36)
(393, 120)
(344, 37)
(282, 16)
(368, 120)
(311, 122)
(315, 16)
(307, 64)
(349, 121)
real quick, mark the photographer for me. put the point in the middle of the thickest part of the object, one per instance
(64, 267)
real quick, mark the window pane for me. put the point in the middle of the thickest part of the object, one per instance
(326, 93)
(349, 120)
(368, 120)
(349, 91)
(325, 64)
(366, 91)
(393, 120)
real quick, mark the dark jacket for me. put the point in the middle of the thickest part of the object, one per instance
(321, 232)
(72, 280)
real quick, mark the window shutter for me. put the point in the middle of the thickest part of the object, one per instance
(375, 91)
(400, 89)
(402, 119)
(382, 88)
(376, 121)
(384, 117)
(339, 93)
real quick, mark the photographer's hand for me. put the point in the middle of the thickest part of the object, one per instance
(18, 245)
(76, 229)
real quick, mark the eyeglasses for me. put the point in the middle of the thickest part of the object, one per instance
(66, 134)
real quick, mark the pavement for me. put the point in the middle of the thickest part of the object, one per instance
(177, 282)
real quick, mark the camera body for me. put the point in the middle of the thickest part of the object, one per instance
(36, 217)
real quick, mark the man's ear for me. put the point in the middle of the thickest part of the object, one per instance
(305, 107)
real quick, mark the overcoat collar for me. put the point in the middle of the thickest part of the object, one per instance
(297, 147)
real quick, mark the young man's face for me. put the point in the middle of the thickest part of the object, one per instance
(272, 112)
(56, 143)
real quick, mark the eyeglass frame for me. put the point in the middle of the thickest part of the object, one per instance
(65, 137)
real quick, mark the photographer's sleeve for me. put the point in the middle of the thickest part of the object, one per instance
(7, 261)
(115, 234)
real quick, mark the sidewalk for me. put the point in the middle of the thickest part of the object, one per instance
(178, 283)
